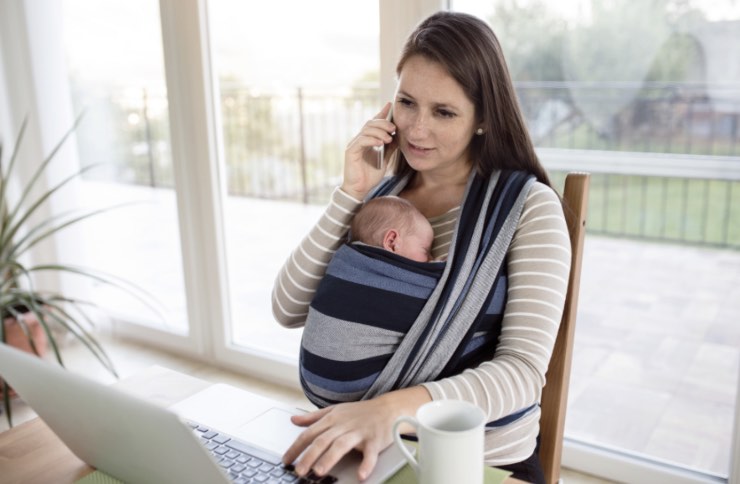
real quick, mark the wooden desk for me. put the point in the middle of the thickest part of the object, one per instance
(31, 453)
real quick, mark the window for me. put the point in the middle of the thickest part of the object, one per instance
(294, 89)
(291, 90)
(641, 95)
(116, 77)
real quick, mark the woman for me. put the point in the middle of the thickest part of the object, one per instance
(463, 147)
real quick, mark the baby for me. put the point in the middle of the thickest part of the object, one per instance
(394, 224)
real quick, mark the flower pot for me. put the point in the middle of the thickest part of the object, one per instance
(16, 337)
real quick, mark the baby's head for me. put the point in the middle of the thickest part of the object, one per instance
(395, 225)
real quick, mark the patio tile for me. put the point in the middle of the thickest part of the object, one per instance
(712, 376)
(587, 359)
(686, 433)
(655, 362)
(644, 364)
(615, 414)
(725, 329)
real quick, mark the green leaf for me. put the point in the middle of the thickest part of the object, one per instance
(16, 281)
(5, 177)
(6, 403)
(70, 323)
(40, 170)
(108, 279)
(14, 226)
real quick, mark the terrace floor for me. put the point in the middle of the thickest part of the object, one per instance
(657, 351)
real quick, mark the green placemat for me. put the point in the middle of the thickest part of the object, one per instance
(404, 476)
(98, 477)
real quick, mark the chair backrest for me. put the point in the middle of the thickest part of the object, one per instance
(555, 394)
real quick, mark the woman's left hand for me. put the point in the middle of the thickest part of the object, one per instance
(365, 426)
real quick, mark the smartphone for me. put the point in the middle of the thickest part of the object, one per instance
(381, 149)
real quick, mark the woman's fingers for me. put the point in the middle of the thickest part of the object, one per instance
(335, 431)
(306, 419)
(318, 447)
(363, 168)
(328, 448)
(383, 114)
(340, 446)
(375, 132)
(383, 121)
(370, 137)
(369, 460)
(307, 436)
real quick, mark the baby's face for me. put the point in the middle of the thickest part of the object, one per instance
(416, 243)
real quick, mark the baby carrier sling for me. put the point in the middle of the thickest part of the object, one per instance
(380, 322)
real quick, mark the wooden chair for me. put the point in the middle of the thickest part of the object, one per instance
(555, 394)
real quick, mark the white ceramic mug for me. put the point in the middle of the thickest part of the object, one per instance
(450, 434)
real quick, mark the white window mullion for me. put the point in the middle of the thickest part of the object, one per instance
(735, 451)
(195, 154)
(397, 21)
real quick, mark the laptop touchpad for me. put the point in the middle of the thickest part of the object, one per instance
(271, 431)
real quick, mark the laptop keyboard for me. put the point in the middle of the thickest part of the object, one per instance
(245, 464)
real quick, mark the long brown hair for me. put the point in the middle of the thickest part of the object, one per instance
(470, 52)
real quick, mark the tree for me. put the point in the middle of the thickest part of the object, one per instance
(622, 44)
(531, 35)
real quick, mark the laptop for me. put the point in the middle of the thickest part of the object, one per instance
(190, 442)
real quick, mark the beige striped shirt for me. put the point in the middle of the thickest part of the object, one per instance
(538, 263)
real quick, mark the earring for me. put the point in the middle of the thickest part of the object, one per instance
(479, 131)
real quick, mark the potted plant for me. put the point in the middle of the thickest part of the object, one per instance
(29, 315)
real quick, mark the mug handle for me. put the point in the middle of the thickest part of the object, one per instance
(397, 440)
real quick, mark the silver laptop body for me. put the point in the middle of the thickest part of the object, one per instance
(139, 442)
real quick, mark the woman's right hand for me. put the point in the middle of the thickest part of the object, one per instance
(361, 173)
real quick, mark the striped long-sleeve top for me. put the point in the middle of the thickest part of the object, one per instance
(538, 263)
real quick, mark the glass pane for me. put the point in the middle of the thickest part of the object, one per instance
(294, 89)
(116, 74)
(657, 348)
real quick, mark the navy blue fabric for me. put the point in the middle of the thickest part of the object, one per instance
(373, 287)
(347, 371)
(528, 470)
(360, 304)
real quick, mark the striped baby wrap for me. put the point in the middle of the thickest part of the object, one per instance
(380, 322)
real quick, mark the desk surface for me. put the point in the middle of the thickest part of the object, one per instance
(32, 453)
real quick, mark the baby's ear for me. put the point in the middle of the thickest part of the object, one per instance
(390, 239)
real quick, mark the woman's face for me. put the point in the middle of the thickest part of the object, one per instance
(434, 118)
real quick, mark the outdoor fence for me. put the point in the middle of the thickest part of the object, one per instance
(665, 157)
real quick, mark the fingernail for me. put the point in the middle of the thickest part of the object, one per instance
(318, 470)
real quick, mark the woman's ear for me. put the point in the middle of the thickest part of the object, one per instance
(390, 239)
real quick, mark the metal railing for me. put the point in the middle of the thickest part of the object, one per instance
(665, 156)
(665, 197)
(289, 145)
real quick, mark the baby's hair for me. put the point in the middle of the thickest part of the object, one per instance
(379, 215)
